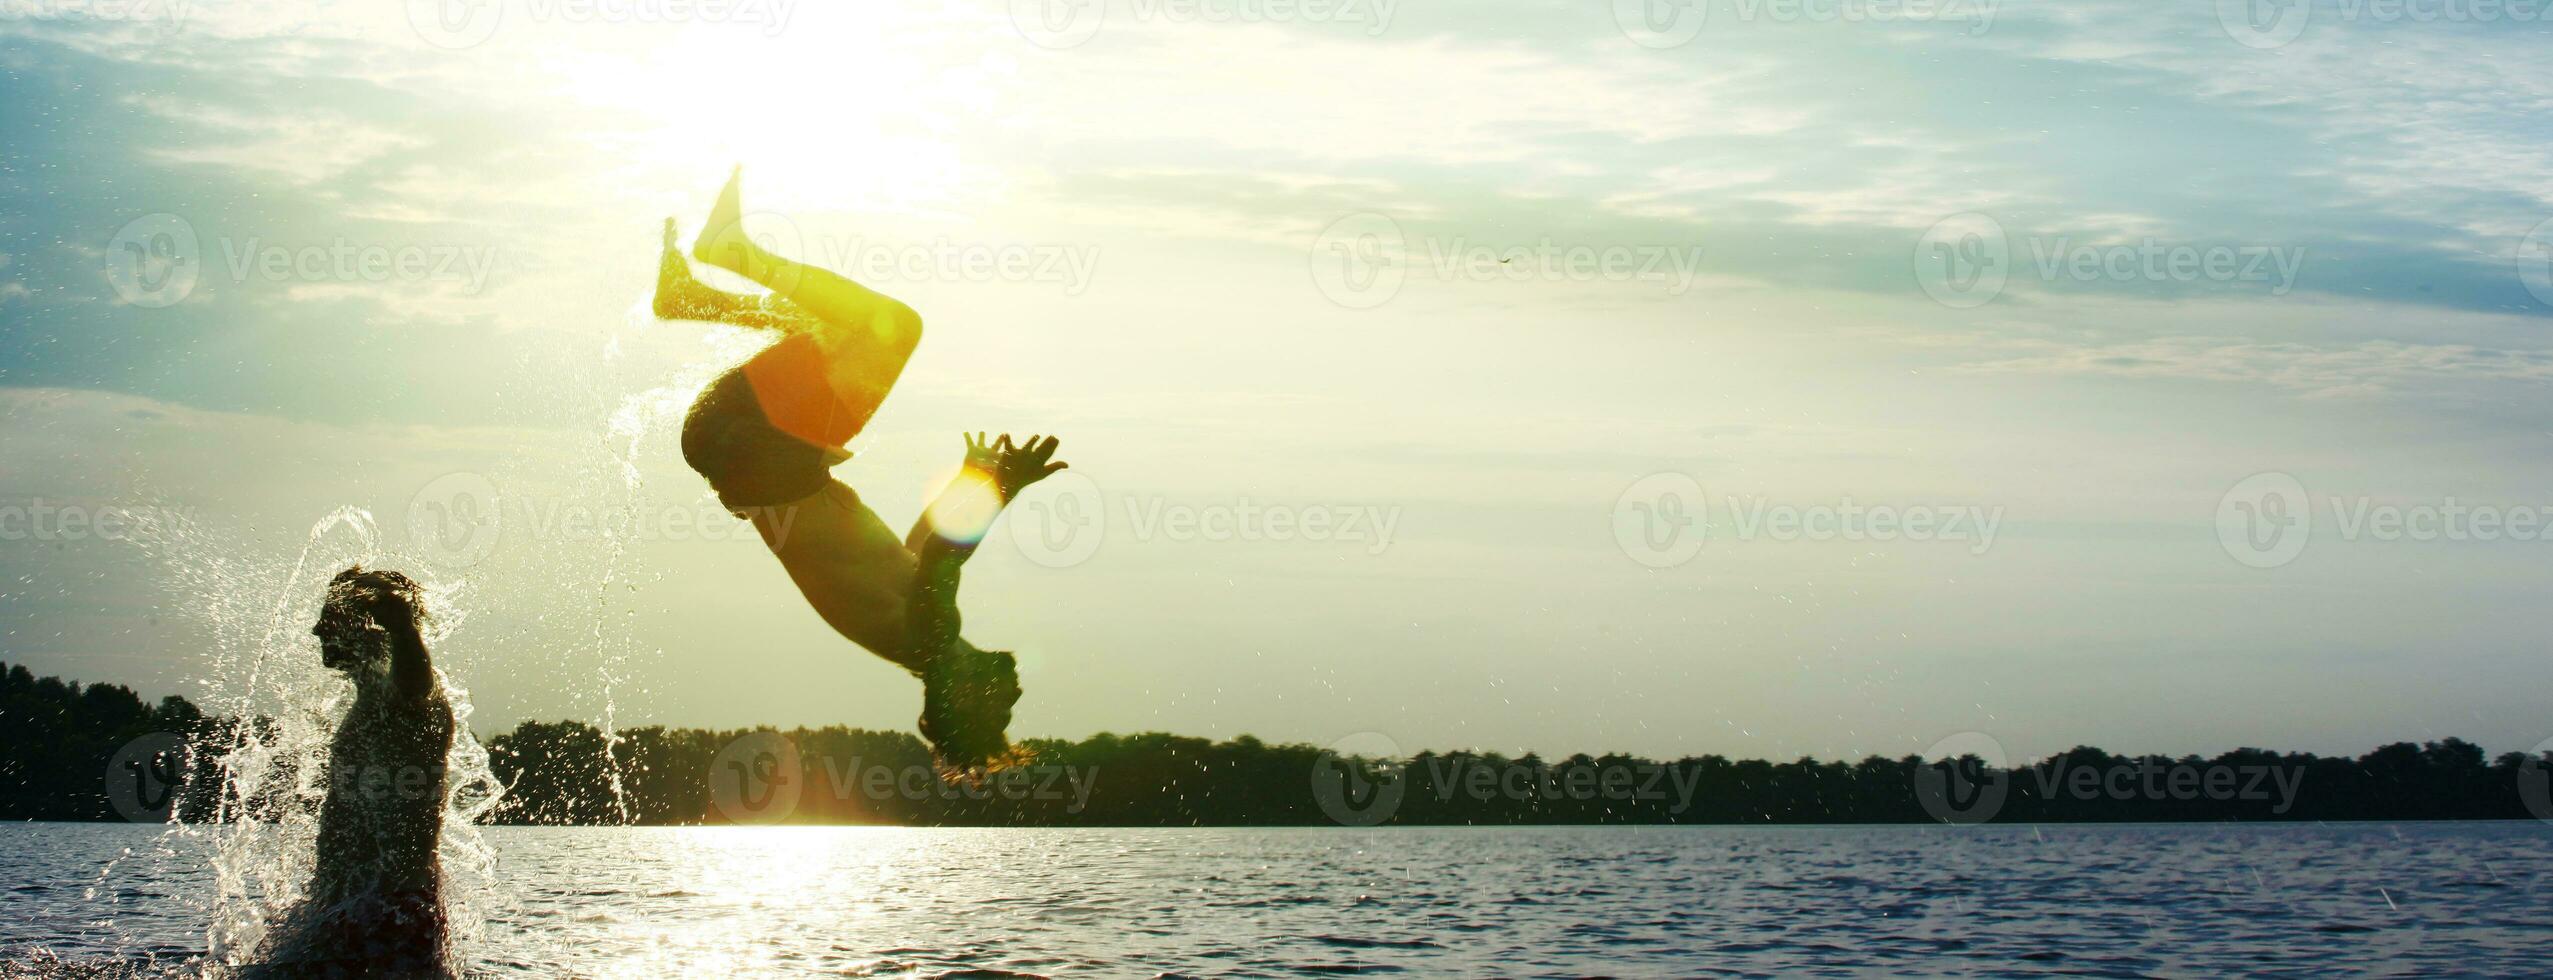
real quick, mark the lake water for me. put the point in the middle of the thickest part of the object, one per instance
(2189, 900)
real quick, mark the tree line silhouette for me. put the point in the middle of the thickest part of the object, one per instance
(59, 740)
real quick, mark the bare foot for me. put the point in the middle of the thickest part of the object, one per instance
(722, 240)
(678, 295)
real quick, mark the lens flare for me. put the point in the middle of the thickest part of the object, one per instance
(964, 512)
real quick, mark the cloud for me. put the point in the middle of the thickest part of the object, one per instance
(302, 150)
(2355, 370)
(2439, 123)
(1337, 101)
(1801, 160)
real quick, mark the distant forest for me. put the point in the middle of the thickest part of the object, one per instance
(60, 740)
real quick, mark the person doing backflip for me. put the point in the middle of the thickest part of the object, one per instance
(766, 433)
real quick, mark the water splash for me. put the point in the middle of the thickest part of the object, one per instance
(283, 707)
(628, 424)
(251, 603)
(611, 648)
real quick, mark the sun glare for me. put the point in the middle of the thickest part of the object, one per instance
(964, 513)
(828, 121)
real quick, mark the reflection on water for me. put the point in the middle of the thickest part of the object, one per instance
(608, 902)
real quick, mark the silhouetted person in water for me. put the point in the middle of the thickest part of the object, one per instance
(375, 906)
(766, 432)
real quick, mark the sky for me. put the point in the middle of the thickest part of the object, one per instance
(1764, 379)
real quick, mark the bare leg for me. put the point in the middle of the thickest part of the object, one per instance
(845, 561)
(895, 600)
(680, 296)
(866, 335)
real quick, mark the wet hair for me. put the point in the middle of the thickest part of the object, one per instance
(971, 751)
(353, 593)
(963, 716)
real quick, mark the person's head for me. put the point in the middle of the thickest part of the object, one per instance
(966, 703)
(356, 618)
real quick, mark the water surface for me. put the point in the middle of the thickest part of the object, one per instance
(2473, 899)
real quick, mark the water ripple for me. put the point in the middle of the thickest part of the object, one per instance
(1542, 902)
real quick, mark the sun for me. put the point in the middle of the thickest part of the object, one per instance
(857, 120)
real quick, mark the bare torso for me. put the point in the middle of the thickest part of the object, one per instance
(849, 565)
(382, 820)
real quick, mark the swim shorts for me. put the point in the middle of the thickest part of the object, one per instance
(766, 432)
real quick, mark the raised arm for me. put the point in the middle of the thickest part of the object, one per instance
(411, 668)
(1007, 469)
(983, 458)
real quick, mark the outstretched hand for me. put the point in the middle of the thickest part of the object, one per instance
(982, 455)
(1013, 467)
